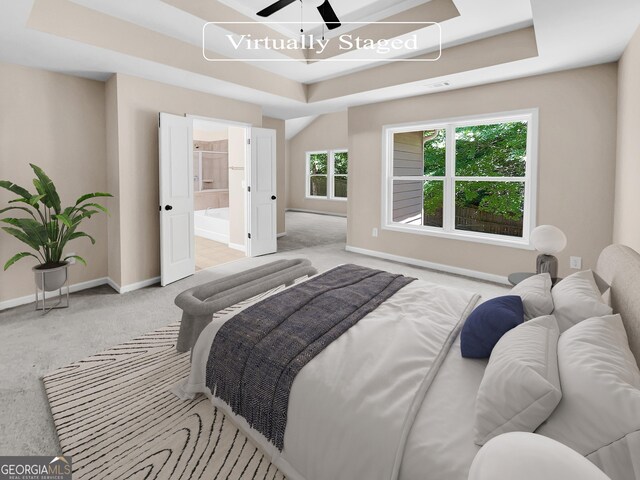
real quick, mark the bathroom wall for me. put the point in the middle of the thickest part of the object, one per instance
(212, 190)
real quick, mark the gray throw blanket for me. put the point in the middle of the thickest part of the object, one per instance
(256, 355)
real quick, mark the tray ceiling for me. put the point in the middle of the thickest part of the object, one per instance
(483, 41)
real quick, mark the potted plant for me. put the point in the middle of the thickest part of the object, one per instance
(48, 227)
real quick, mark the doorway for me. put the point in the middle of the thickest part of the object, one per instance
(214, 206)
(217, 184)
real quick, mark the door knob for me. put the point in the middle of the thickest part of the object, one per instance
(168, 207)
(273, 197)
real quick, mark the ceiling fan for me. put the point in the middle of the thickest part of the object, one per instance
(326, 11)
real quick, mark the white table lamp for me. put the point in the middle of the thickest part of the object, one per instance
(548, 240)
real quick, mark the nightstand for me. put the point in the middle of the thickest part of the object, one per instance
(516, 278)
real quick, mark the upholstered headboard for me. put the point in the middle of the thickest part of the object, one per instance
(619, 266)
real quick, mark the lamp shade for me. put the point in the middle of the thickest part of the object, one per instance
(548, 239)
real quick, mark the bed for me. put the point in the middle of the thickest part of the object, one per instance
(392, 397)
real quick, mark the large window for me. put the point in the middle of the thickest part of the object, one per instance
(327, 174)
(465, 178)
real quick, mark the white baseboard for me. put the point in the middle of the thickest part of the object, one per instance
(76, 287)
(113, 284)
(133, 286)
(237, 246)
(317, 212)
(243, 248)
(489, 277)
(216, 237)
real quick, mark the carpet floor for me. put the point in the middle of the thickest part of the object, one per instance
(116, 417)
(32, 345)
(305, 230)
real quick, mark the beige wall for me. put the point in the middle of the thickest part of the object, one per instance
(577, 119)
(281, 186)
(138, 104)
(114, 271)
(627, 224)
(327, 132)
(58, 123)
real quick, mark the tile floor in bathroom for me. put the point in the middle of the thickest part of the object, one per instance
(210, 254)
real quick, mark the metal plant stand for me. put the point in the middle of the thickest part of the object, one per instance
(42, 305)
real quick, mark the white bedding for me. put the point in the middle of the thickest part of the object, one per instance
(441, 444)
(358, 409)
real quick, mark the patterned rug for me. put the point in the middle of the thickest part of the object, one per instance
(115, 416)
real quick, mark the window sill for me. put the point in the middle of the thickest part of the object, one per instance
(467, 237)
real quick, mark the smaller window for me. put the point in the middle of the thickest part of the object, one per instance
(318, 170)
(340, 176)
(327, 174)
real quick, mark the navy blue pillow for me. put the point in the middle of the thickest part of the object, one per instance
(488, 323)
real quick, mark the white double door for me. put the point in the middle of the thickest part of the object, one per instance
(177, 240)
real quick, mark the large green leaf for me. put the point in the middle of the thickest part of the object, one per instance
(68, 211)
(33, 229)
(17, 257)
(86, 197)
(46, 187)
(17, 208)
(75, 235)
(84, 214)
(40, 188)
(64, 219)
(17, 189)
(20, 235)
(96, 205)
(53, 230)
(21, 200)
(33, 201)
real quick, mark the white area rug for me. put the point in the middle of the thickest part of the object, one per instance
(115, 416)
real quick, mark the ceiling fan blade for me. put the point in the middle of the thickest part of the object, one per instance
(273, 8)
(329, 15)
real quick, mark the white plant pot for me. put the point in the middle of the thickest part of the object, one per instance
(54, 278)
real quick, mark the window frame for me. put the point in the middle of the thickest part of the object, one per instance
(333, 174)
(330, 175)
(448, 229)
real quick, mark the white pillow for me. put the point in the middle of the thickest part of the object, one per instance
(599, 414)
(536, 296)
(521, 386)
(577, 298)
(527, 456)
